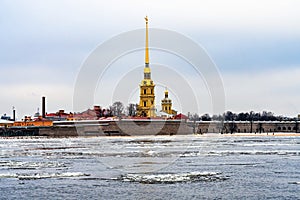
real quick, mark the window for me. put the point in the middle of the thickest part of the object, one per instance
(145, 103)
(151, 91)
(145, 91)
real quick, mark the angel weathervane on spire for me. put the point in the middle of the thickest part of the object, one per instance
(146, 18)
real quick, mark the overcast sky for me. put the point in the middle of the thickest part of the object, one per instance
(254, 44)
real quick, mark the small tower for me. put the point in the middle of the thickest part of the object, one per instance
(146, 106)
(166, 103)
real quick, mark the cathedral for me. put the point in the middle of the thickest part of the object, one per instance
(146, 107)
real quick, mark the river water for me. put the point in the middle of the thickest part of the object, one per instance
(150, 167)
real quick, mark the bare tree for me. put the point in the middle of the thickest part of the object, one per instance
(117, 108)
(251, 120)
(232, 127)
(131, 109)
(194, 117)
(260, 127)
(220, 124)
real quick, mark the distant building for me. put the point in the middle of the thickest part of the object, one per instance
(5, 117)
(59, 116)
(92, 114)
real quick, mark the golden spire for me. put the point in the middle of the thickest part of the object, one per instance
(166, 93)
(147, 47)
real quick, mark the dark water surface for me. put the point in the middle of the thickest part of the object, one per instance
(164, 167)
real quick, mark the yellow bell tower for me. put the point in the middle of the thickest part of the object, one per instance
(146, 106)
(166, 103)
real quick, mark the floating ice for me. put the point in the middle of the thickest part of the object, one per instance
(29, 165)
(297, 183)
(43, 175)
(173, 178)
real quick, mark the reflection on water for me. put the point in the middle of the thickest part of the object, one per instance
(150, 167)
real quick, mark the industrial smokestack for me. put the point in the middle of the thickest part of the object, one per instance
(43, 107)
(14, 114)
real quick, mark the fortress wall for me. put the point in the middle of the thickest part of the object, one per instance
(120, 128)
(153, 127)
(58, 131)
(247, 127)
(169, 127)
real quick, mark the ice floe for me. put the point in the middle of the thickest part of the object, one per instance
(25, 176)
(173, 178)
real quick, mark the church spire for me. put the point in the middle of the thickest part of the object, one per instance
(147, 45)
(146, 106)
(147, 71)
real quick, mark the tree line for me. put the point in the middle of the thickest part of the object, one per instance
(243, 116)
(118, 109)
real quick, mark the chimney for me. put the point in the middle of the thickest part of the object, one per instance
(43, 107)
(14, 114)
